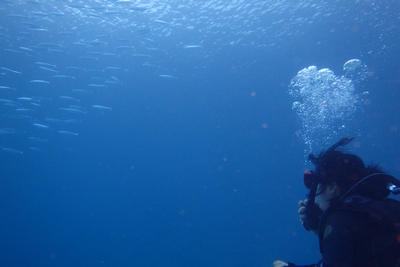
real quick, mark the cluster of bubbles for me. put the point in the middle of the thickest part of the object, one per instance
(326, 103)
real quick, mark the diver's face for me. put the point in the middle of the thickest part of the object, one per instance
(325, 192)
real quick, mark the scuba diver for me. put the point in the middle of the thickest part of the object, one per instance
(347, 207)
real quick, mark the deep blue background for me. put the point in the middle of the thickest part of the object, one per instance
(203, 170)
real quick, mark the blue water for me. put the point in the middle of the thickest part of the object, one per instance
(194, 157)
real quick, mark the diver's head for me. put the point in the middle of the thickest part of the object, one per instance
(339, 175)
(336, 172)
(340, 167)
(348, 172)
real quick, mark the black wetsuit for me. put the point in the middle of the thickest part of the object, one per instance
(360, 232)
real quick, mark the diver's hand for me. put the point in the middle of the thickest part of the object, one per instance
(280, 264)
(302, 214)
(302, 210)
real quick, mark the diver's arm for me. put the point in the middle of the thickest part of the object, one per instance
(311, 265)
(289, 264)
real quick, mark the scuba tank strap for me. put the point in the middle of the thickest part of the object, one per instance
(321, 227)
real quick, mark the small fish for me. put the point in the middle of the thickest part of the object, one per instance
(123, 47)
(151, 65)
(95, 42)
(38, 29)
(30, 24)
(141, 55)
(69, 98)
(101, 107)
(11, 131)
(12, 50)
(73, 110)
(41, 126)
(38, 13)
(6, 87)
(192, 46)
(23, 110)
(67, 33)
(11, 150)
(161, 21)
(39, 81)
(109, 54)
(80, 91)
(94, 16)
(154, 49)
(115, 79)
(79, 43)
(168, 76)
(117, 69)
(25, 98)
(97, 85)
(63, 76)
(6, 101)
(14, 116)
(88, 57)
(27, 49)
(45, 64)
(10, 70)
(75, 106)
(56, 50)
(48, 69)
(58, 13)
(18, 16)
(68, 133)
